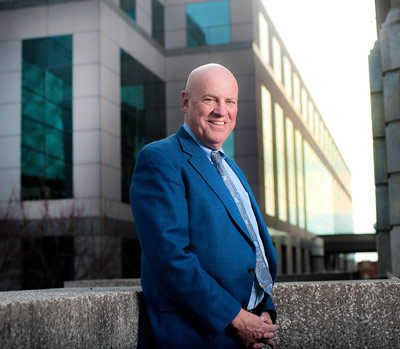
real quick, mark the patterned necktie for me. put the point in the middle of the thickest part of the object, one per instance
(262, 272)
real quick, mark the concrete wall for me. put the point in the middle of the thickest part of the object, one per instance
(310, 315)
(384, 62)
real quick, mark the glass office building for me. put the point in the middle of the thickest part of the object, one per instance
(85, 84)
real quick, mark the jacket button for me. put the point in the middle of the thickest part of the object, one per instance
(251, 270)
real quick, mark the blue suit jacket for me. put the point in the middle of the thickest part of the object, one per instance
(196, 250)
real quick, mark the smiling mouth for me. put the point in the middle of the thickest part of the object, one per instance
(220, 123)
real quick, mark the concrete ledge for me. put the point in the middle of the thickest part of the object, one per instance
(102, 283)
(356, 314)
(347, 314)
(70, 318)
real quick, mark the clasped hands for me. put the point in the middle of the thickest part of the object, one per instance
(254, 331)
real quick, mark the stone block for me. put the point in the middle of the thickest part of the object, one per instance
(86, 181)
(249, 165)
(383, 249)
(380, 161)
(391, 87)
(70, 318)
(324, 314)
(375, 69)
(86, 113)
(72, 17)
(10, 119)
(393, 146)
(359, 314)
(10, 55)
(378, 115)
(390, 40)
(246, 117)
(10, 87)
(29, 22)
(10, 152)
(175, 18)
(143, 19)
(110, 150)
(110, 85)
(86, 147)
(10, 184)
(175, 119)
(102, 283)
(382, 207)
(247, 139)
(394, 199)
(175, 39)
(241, 32)
(86, 82)
(110, 182)
(86, 48)
(395, 250)
(233, 60)
(110, 117)
(109, 53)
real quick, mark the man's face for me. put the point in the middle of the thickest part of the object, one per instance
(210, 106)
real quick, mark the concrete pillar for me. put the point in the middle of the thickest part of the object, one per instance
(278, 249)
(380, 160)
(385, 99)
(317, 255)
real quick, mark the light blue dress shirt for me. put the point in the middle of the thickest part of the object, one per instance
(257, 293)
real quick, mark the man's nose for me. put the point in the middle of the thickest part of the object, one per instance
(220, 109)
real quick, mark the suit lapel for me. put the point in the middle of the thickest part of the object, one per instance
(210, 175)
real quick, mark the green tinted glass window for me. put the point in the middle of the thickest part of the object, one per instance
(129, 6)
(46, 149)
(208, 23)
(158, 21)
(229, 145)
(142, 114)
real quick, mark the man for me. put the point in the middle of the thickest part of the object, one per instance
(202, 257)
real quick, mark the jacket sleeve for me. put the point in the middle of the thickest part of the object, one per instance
(160, 209)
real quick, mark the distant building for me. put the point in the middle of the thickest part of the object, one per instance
(384, 62)
(85, 84)
(368, 270)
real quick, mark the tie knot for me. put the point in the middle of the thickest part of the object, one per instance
(216, 157)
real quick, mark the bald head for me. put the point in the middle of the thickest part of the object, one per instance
(210, 104)
(200, 75)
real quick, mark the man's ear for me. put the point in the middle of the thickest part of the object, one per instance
(184, 101)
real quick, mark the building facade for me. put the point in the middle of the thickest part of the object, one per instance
(384, 63)
(85, 84)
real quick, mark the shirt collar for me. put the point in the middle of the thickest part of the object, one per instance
(207, 150)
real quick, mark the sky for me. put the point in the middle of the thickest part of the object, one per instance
(329, 42)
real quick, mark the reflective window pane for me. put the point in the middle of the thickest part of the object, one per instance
(268, 151)
(158, 21)
(263, 36)
(46, 120)
(208, 23)
(280, 162)
(287, 72)
(229, 145)
(291, 174)
(319, 194)
(296, 92)
(129, 6)
(142, 114)
(276, 56)
(300, 179)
